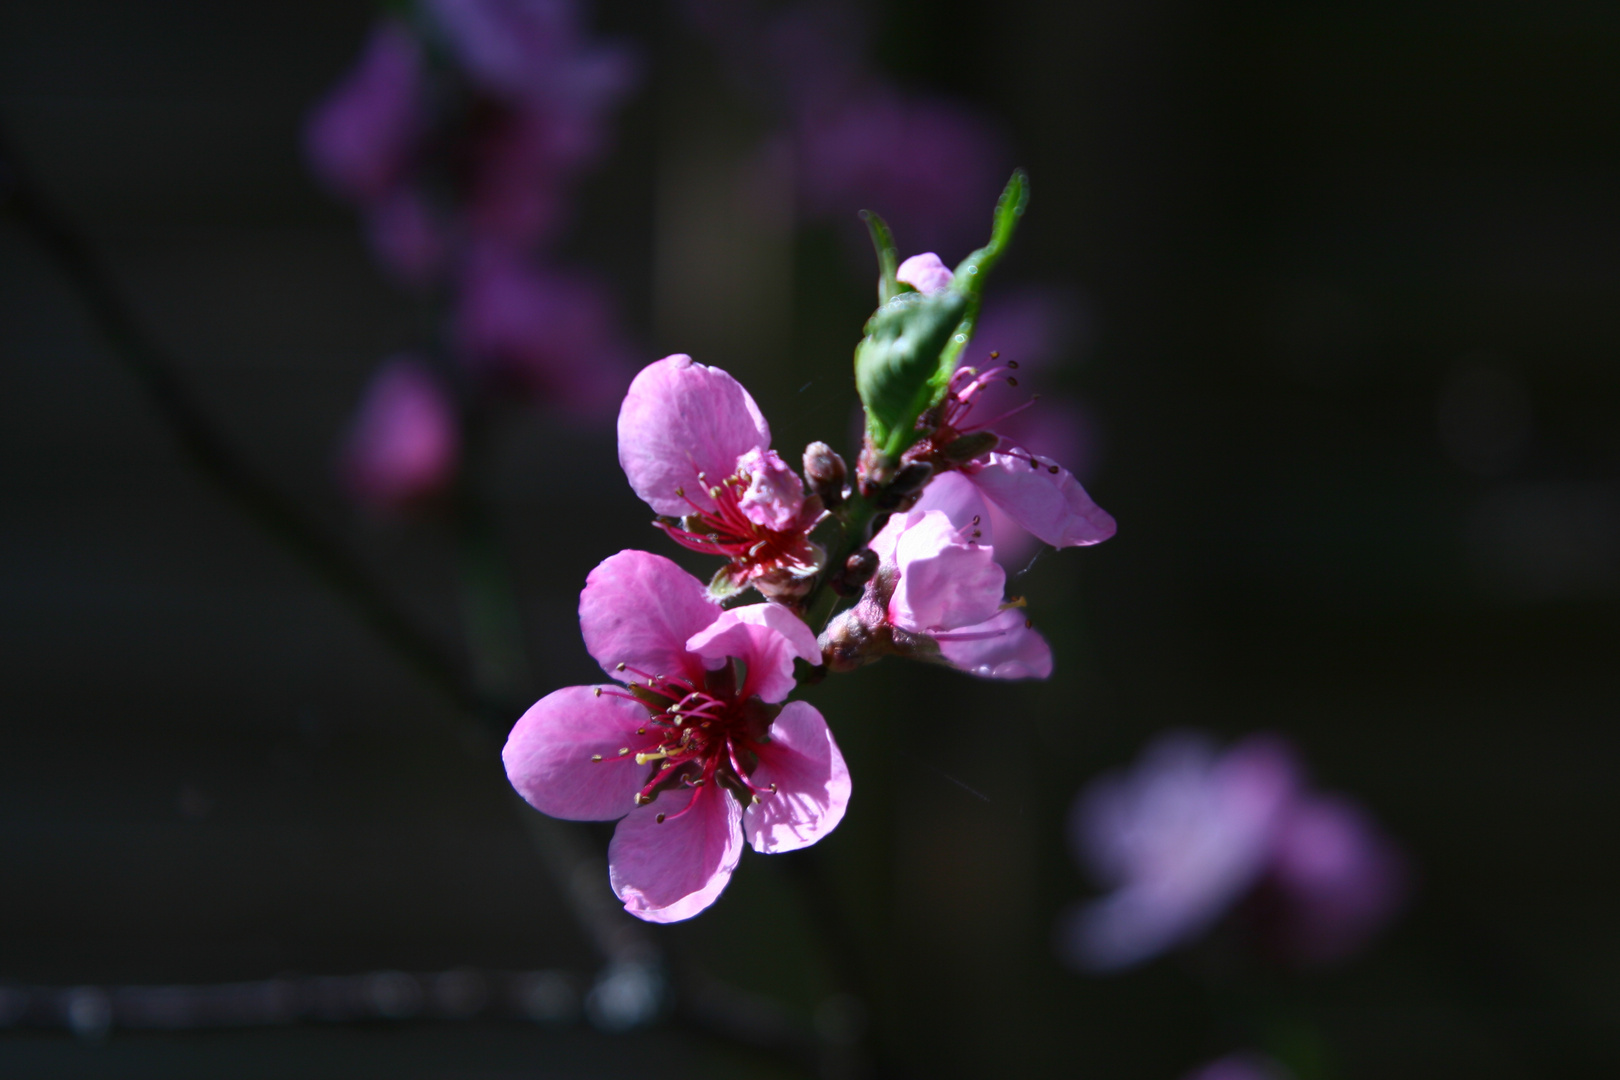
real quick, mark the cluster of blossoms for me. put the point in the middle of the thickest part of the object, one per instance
(698, 745)
(1191, 835)
(458, 135)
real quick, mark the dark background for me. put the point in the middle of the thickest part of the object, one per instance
(1350, 273)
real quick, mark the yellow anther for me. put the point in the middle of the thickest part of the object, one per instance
(597, 691)
(623, 750)
(651, 755)
(596, 757)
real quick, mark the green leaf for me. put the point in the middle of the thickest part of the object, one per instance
(897, 362)
(888, 256)
(913, 342)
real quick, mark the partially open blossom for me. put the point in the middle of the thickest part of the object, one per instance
(696, 752)
(1038, 329)
(405, 441)
(938, 594)
(1034, 491)
(694, 446)
(1189, 834)
(925, 273)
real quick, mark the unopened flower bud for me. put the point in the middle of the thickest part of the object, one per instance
(901, 491)
(858, 570)
(824, 471)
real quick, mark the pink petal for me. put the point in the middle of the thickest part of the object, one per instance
(775, 495)
(638, 609)
(766, 637)
(548, 754)
(883, 545)
(671, 871)
(946, 580)
(1004, 647)
(1051, 504)
(925, 273)
(955, 494)
(681, 419)
(812, 783)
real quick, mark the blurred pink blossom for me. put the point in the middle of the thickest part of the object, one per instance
(1189, 833)
(540, 333)
(461, 170)
(404, 443)
(700, 756)
(932, 168)
(361, 140)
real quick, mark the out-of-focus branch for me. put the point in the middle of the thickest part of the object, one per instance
(208, 451)
(628, 991)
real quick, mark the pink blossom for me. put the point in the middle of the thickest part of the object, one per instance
(693, 444)
(404, 443)
(362, 138)
(1189, 833)
(698, 753)
(1034, 491)
(937, 594)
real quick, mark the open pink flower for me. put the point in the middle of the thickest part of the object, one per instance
(1036, 492)
(695, 446)
(405, 441)
(697, 752)
(938, 594)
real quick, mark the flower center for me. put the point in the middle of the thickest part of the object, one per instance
(953, 441)
(704, 735)
(728, 531)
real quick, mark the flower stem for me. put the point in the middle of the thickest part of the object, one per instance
(855, 515)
